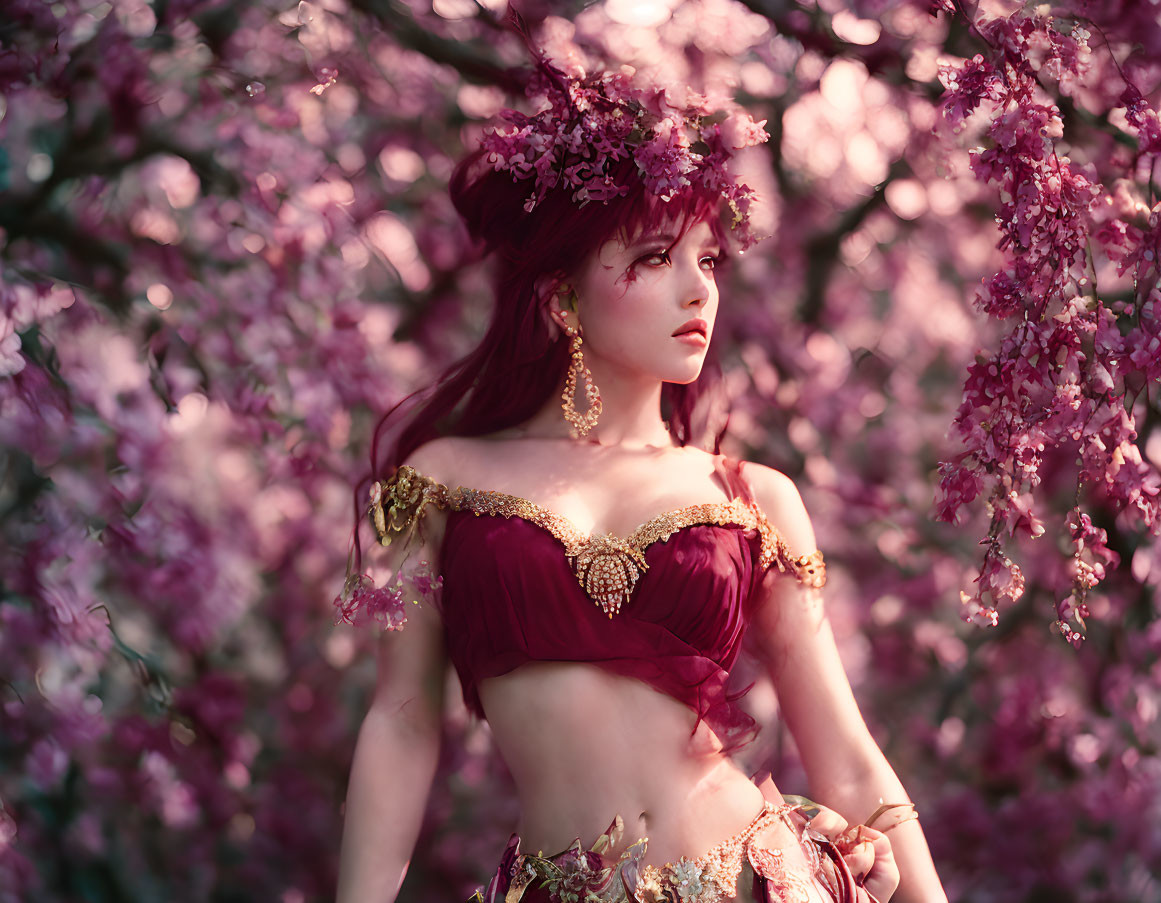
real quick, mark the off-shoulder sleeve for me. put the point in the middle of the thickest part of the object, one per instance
(809, 569)
(397, 513)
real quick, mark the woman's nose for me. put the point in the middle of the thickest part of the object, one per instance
(699, 285)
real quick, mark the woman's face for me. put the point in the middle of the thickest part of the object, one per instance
(647, 306)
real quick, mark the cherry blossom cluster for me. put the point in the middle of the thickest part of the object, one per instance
(362, 602)
(587, 123)
(1063, 379)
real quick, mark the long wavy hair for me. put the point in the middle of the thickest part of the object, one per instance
(521, 360)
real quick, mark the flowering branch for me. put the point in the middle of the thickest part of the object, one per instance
(1063, 374)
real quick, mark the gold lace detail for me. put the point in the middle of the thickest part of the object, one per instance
(606, 566)
(785, 884)
(713, 876)
(808, 569)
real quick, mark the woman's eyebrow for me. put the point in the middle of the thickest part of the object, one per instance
(652, 239)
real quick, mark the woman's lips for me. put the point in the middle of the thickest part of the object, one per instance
(693, 338)
(693, 332)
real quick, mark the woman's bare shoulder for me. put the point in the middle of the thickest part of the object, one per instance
(452, 460)
(429, 454)
(779, 498)
(768, 481)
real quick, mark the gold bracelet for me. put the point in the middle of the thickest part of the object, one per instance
(913, 815)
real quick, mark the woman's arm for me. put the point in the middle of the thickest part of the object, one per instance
(398, 744)
(394, 762)
(843, 763)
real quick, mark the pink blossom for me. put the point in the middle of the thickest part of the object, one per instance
(1143, 119)
(966, 88)
(587, 123)
(46, 764)
(362, 602)
(172, 798)
(665, 161)
(11, 360)
(739, 129)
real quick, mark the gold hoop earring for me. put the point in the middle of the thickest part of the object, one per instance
(579, 424)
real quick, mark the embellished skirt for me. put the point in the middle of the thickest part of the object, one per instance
(750, 867)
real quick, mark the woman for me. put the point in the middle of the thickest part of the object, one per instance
(589, 570)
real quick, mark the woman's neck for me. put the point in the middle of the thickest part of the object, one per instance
(630, 411)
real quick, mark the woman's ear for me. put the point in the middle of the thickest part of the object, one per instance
(558, 301)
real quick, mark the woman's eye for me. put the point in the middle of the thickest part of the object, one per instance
(710, 263)
(660, 258)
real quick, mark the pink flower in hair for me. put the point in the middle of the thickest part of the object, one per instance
(666, 161)
(588, 123)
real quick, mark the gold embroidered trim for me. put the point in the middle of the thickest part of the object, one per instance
(809, 569)
(398, 504)
(577, 874)
(606, 566)
(713, 876)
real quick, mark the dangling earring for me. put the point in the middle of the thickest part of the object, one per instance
(580, 424)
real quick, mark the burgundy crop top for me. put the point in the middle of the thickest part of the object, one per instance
(667, 604)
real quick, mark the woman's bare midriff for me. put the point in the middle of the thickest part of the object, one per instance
(584, 744)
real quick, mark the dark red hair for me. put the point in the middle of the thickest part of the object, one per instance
(521, 360)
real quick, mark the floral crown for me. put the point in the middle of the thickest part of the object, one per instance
(594, 121)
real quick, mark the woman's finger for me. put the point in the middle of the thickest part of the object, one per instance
(866, 851)
(829, 824)
(882, 878)
(860, 858)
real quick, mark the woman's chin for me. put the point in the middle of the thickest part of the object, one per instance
(683, 376)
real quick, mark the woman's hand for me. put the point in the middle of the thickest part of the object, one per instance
(867, 852)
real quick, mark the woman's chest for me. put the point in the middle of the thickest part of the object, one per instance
(506, 575)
